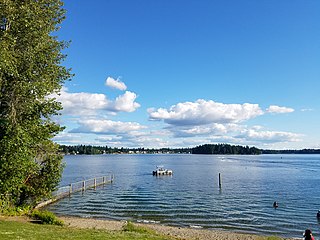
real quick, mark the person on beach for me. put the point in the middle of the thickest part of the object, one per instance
(308, 235)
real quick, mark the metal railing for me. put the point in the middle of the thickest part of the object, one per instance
(66, 191)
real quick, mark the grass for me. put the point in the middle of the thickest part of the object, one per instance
(271, 238)
(274, 238)
(28, 231)
(130, 227)
(46, 217)
(21, 229)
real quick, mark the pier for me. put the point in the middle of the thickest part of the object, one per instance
(79, 186)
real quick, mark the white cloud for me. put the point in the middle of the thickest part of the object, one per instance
(134, 139)
(203, 112)
(126, 102)
(257, 127)
(115, 83)
(269, 136)
(66, 138)
(84, 104)
(188, 123)
(108, 138)
(102, 126)
(277, 109)
(203, 130)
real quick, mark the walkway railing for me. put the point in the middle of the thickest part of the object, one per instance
(66, 191)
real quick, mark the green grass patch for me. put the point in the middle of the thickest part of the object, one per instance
(271, 238)
(274, 238)
(46, 217)
(130, 227)
(28, 231)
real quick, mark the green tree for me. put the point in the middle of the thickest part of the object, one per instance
(30, 74)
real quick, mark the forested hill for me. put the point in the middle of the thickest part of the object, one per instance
(225, 149)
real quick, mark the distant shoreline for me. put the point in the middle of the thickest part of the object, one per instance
(70, 154)
(208, 149)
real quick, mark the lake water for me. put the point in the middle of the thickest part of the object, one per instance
(192, 198)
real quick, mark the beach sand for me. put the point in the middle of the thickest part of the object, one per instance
(177, 232)
(180, 233)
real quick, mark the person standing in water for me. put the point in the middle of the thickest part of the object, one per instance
(275, 205)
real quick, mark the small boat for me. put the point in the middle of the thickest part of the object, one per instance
(161, 171)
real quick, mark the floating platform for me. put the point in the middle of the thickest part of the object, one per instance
(162, 171)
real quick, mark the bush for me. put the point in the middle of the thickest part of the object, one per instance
(46, 217)
(8, 209)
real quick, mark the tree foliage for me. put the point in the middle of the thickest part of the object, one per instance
(30, 73)
(225, 149)
(291, 151)
(90, 150)
(203, 149)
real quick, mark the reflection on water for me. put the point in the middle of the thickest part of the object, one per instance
(192, 198)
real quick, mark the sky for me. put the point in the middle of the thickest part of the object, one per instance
(176, 73)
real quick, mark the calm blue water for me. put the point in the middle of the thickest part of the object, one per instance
(191, 197)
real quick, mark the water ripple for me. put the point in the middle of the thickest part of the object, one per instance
(191, 197)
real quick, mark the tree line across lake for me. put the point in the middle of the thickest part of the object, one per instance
(202, 149)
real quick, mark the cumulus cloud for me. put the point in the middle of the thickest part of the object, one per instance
(269, 136)
(84, 103)
(64, 137)
(67, 138)
(134, 139)
(203, 112)
(126, 102)
(277, 109)
(203, 130)
(115, 83)
(104, 126)
(145, 142)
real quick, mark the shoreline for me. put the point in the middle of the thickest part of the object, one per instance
(176, 232)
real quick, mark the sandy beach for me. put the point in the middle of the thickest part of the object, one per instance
(177, 232)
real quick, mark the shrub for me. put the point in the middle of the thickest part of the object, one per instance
(8, 209)
(46, 217)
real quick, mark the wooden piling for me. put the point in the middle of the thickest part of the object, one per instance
(219, 180)
(83, 185)
(70, 190)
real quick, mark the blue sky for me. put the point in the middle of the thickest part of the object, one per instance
(184, 73)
